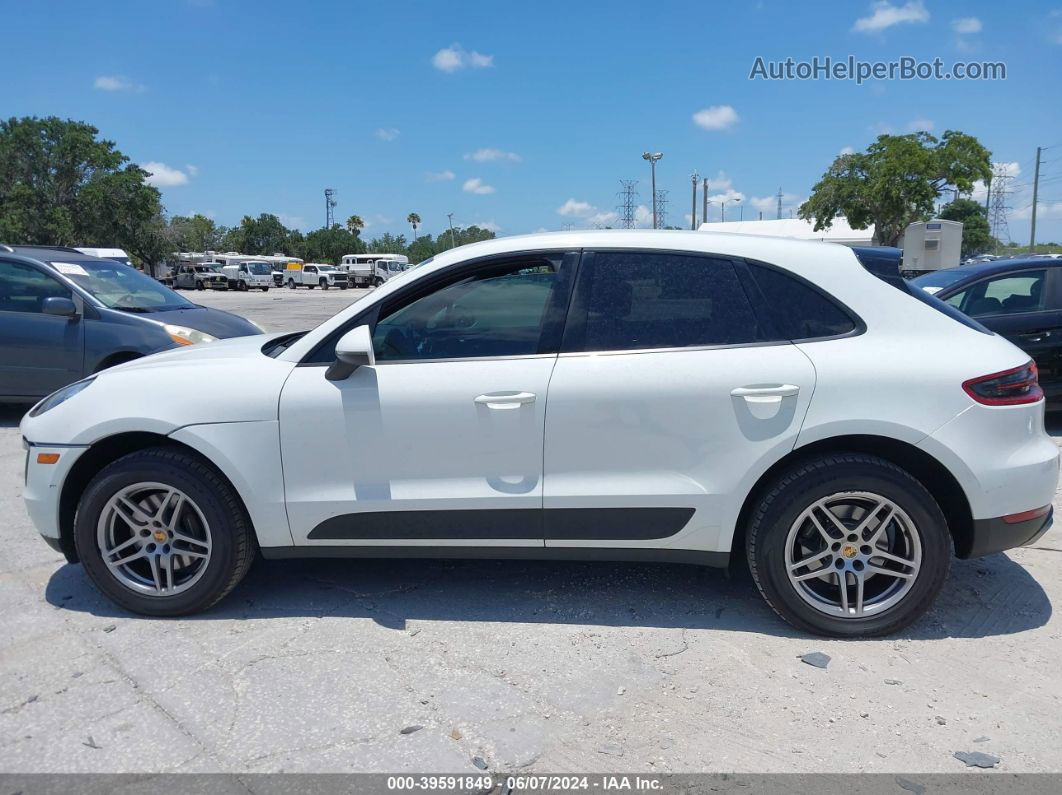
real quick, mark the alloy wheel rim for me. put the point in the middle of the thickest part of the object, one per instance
(853, 554)
(154, 539)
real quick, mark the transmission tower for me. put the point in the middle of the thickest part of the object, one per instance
(997, 213)
(661, 209)
(330, 206)
(628, 197)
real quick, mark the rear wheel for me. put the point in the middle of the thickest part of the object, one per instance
(849, 545)
(265, 289)
(291, 284)
(162, 534)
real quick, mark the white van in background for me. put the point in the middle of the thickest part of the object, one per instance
(249, 274)
(372, 269)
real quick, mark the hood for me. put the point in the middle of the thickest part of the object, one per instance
(210, 321)
(222, 351)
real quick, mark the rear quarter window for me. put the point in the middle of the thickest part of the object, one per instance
(800, 311)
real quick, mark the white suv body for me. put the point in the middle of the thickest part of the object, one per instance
(689, 397)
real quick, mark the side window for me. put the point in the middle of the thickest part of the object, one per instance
(637, 300)
(498, 311)
(23, 289)
(311, 269)
(798, 310)
(1008, 294)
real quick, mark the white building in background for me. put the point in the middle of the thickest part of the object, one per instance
(839, 231)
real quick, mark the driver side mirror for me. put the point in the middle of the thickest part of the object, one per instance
(56, 305)
(353, 350)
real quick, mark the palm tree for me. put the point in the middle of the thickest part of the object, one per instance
(413, 220)
(355, 225)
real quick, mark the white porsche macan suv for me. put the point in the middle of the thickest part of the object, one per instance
(658, 396)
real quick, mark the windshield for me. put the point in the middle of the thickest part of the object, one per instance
(259, 268)
(325, 268)
(395, 267)
(118, 286)
(937, 280)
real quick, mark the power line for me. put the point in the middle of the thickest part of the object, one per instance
(627, 208)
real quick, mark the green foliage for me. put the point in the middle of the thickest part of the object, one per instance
(60, 185)
(329, 245)
(355, 225)
(388, 244)
(197, 233)
(896, 182)
(461, 237)
(262, 235)
(976, 233)
(421, 249)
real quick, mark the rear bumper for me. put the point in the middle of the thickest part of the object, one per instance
(995, 535)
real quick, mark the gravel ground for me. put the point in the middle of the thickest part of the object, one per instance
(320, 665)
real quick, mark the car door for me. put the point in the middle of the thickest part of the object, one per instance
(1025, 306)
(669, 395)
(440, 442)
(38, 353)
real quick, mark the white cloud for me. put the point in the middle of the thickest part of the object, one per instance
(966, 25)
(292, 221)
(116, 83)
(490, 225)
(607, 218)
(192, 170)
(456, 57)
(439, 176)
(487, 155)
(643, 216)
(720, 181)
(920, 125)
(1011, 169)
(576, 209)
(716, 117)
(388, 133)
(768, 205)
(884, 15)
(162, 176)
(846, 150)
(475, 185)
(1043, 210)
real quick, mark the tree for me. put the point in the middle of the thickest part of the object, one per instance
(60, 185)
(388, 244)
(421, 249)
(197, 233)
(896, 182)
(976, 234)
(262, 235)
(413, 220)
(461, 237)
(355, 225)
(330, 244)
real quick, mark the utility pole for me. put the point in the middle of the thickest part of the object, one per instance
(652, 157)
(988, 194)
(693, 213)
(330, 203)
(453, 240)
(779, 202)
(704, 207)
(1036, 191)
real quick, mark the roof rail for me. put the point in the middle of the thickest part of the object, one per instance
(7, 248)
(69, 249)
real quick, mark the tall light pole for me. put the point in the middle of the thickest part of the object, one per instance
(693, 213)
(453, 240)
(704, 197)
(652, 157)
(722, 207)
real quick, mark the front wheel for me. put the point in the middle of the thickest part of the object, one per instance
(324, 284)
(243, 287)
(265, 289)
(161, 533)
(848, 545)
(291, 284)
(199, 286)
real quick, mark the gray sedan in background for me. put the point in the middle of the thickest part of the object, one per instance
(65, 315)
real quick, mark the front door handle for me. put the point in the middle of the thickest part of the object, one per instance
(765, 394)
(505, 400)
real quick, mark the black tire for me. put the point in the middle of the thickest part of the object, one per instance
(242, 287)
(342, 287)
(817, 478)
(291, 284)
(324, 284)
(233, 541)
(199, 286)
(310, 286)
(265, 289)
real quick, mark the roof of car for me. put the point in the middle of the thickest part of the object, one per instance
(51, 253)
(1003, 265)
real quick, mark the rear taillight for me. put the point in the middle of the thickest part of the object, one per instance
(1008, 388)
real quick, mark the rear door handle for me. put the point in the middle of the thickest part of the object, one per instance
(765, 394)
(505, 400)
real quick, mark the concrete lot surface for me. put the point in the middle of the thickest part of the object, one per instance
(321, 665)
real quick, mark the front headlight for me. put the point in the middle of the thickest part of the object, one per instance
(60, 396)
(187, 336)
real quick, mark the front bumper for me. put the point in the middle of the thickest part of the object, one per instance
(44, 485)
(996, 535)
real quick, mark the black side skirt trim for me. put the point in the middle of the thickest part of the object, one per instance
(569, 524)
(690, 556)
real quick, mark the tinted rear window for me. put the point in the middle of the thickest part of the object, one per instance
(800, 311)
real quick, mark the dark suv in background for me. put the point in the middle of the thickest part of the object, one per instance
(65, 315)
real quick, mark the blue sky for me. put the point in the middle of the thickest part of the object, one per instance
(521, 116)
